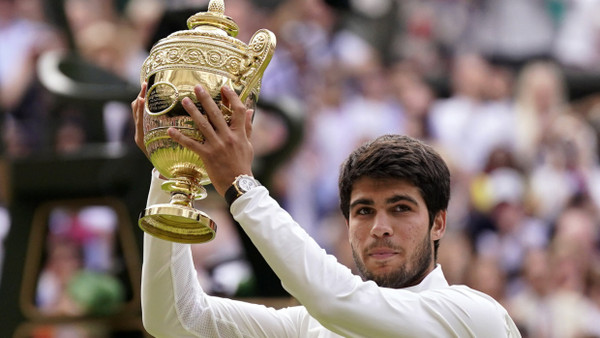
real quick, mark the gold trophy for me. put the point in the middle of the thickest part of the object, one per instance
(207, 54)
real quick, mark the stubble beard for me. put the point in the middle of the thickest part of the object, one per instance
(410, 273)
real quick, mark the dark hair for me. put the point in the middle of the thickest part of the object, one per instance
(398, 157)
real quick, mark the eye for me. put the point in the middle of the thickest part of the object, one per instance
(402, 208)
(363, 211)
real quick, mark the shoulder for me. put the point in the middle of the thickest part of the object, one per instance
(477, 298)
(481, 313)
(475, 301)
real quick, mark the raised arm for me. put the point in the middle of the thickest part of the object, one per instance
(173, 302)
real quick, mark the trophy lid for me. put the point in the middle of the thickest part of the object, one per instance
(215, 16)
(210, 46)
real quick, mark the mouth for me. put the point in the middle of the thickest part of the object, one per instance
(382, 253)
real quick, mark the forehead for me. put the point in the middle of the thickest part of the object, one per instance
(375, 189)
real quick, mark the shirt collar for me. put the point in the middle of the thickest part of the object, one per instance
(434, 280)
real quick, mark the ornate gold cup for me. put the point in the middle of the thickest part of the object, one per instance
(208, 54)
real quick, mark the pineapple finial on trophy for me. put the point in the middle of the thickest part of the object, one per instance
(216, 6)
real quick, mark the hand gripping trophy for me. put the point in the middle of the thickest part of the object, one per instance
(208, 53)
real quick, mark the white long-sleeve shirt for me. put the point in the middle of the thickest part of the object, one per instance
(335, 301)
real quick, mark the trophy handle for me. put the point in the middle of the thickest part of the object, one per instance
(260, 49)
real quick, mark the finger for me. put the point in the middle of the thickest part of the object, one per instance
(225, 100)
(225, 107)
(138, 117)
(185, 141)
(238, 115)
(213, 112)
(135, 102)
(201, 121)
(137, 106)
(249, 114)
(143, 90)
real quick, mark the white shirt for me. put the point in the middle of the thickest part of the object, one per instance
(335, 301)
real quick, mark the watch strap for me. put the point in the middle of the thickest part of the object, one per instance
(231, 194)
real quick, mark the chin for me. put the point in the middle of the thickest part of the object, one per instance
(383, 270)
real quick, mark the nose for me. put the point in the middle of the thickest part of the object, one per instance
(382, 226)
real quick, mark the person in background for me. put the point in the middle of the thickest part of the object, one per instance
(24, 37)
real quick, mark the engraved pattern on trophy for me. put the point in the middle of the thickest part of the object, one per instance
(207, 54)
(215, 57)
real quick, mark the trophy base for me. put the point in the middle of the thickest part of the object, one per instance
(177, 223)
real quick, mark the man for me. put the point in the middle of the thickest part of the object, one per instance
(394, 194)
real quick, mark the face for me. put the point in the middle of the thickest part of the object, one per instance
(389, 232)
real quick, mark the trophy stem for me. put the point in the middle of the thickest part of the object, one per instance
(178, 198)
(184, 190)
(178, 220)
(181, 190)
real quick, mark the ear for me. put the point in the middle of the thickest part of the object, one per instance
(439, 226)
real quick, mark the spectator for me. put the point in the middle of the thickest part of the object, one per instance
(576, 45)
(450, 118)
(529, 306)
(513, 30)
(568, 167)
(486, 275)
(22, 106)
(415, 98)
(539, 98)
(514, 232)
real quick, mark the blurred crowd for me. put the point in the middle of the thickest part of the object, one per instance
(488, 83)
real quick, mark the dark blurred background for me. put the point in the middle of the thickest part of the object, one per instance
(507, 91)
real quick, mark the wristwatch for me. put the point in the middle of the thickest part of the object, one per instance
(240, 186)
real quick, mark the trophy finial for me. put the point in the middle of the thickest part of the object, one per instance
(215, 17)
(216, 6)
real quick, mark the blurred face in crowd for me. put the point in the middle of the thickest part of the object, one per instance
(541, 86)
(470, 74)
(390, 233)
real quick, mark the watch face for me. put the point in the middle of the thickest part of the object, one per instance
(246, 183)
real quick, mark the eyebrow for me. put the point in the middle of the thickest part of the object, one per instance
(391, 200)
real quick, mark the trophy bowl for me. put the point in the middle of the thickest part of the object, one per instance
(207, 54)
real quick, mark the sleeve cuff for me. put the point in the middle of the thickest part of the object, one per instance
(156, 195)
